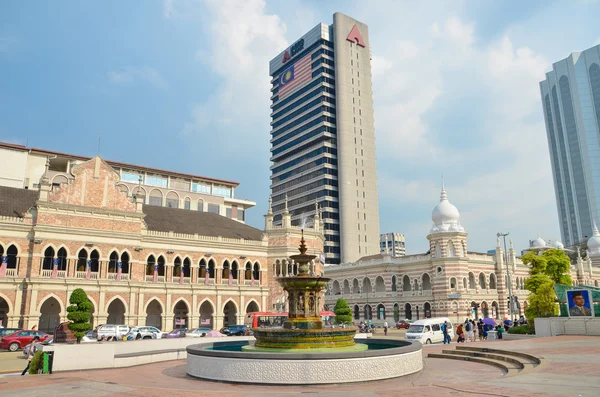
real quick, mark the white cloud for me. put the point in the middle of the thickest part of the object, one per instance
(168, 8)
(132, 75)
(243, 38)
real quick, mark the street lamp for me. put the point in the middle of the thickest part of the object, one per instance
(510, 300)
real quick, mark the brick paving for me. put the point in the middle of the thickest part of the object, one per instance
(571, 368)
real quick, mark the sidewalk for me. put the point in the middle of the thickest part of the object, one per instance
(571, 368)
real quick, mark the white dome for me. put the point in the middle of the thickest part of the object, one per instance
(593, 242)
(445, 216)
(558, 245)
(538, 243)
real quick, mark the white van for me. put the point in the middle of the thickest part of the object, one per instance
(429, 330)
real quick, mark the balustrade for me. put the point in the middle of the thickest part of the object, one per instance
(150, 277)
(113, 276)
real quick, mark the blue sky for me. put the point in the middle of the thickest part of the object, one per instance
(184, 86)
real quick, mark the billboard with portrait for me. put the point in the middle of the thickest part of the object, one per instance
(580, 303)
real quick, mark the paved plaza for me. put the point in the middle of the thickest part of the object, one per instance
(571, 367)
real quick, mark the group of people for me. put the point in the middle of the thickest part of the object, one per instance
(470, 330)
(366, 327)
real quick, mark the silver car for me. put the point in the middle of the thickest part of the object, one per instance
(110, 331)
(145, 332)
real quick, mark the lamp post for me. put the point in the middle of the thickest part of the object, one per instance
(508, 281)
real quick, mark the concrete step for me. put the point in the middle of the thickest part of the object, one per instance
(506, 367)
(529, 360)
(515, 362)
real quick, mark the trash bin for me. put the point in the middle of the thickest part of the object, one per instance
(48, 361)
(492, 335)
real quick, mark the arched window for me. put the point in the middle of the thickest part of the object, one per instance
(471, 280)
(82, 259)
(346, 287)
(492, 281)
(356, 312)
(451, 251)
(211, 268)
(113, 262)
(256, 271)
(139, 192)
(12, 252)
(367, 289)
(426, 282)
(202, 266)
(465, 283)
(355, 287)
(482, 283)
(187, 203)
(427, 310)
(379, 285)
(125, 263)
(453, 284)
(225, 273)
(177, 267)
(156, 198)
(95, 260)
(408, 311)
(172, 200)
(201, 205)
(406, 283)
(234, 270)
(61, 255)
(393, 283)
(150, 262)
(336, 288)
(248, 271)
(161, 265)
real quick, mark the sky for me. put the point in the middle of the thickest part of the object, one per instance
(183, 85)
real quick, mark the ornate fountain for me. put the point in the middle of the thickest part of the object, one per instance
(304, 328)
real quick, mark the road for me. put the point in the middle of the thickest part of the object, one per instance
(12, 362)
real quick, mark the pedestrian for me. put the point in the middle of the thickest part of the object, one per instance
(480, 329)
(445, 332)
(500, 331)
(385, 328)
(460, 334)
(32, 349)
(469, 329)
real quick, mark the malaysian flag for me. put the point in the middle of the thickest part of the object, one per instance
(181, 275)
(88, 273)
(295, 76)
(54, 268)
(230, 282)
(3, 266)
(206, 276)
(155, 276)
(119, 270)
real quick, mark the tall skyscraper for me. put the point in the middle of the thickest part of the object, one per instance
(392, 244)
(571, 103)
(323, 136)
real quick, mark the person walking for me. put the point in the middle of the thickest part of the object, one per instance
(469, 329)
(31, 353)
(460, 334)
(445, 332)
(385, 328)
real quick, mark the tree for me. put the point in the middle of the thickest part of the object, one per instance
(558, 266)
(343, 314)
(396, 313)
(79, 313)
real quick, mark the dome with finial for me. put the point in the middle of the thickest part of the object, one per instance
(445, 216)
(593, 242)
(538, 243)
(557, 244)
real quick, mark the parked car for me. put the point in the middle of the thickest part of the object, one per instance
(145, 332)
(176, 333)
(402, 324)
(47, 342)
(7, 331)
(20, 339)
(235, 330)
(198, 332)
(110, 330)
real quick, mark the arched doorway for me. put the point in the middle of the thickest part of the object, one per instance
(206, 315)
(116, 312)
(252, 307)
(154, 314)
(229, 314)
(408, 311)
(368, 314)
(180, 315)
(495, 313)
(49, 315)
(485, 311)
(3, 313)
(380, 312)
(356, 312)
(427, 310)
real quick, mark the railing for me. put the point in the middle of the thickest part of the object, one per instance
(186, 280)
(93, 275)
(198, 237)
(427, 292)
(150, 277)
(48, 273)
(11, 272)
(113, 276)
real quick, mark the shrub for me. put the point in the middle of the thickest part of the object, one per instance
(343, 314)
(79, 313)
(37, 362)
(522, 330)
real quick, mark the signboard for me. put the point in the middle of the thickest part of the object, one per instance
(580, 303)
(454, 296)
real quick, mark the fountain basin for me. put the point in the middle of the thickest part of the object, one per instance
(227, 362)
(282, 338)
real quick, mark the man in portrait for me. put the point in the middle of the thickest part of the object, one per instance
(578, 303)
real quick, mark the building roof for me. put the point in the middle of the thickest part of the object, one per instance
(15, 201)
(118, 164)
(177, 220)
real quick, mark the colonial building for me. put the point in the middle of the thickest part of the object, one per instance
(140, 264)
(447, 281)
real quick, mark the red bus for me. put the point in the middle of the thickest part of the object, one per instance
(273, 319)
